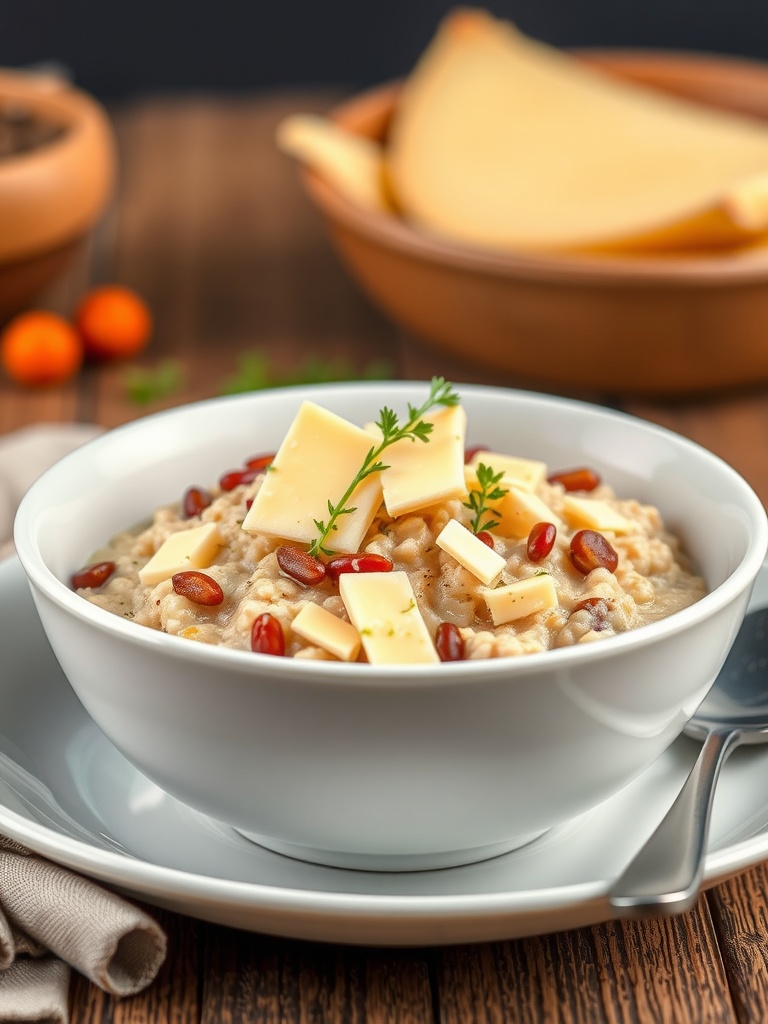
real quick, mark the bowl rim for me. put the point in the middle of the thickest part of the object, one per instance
(606, 270)
(42, 578)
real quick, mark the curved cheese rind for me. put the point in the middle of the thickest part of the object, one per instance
(508, 143)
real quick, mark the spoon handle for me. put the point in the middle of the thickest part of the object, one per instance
(664, 876)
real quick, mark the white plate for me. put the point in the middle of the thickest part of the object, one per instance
(67, 793)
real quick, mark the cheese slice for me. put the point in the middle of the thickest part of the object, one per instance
(508, 143)
(525, 473)
(519, 511)
(319, 457)
(422, 474)
(187, 549)
(319, 626)
(383, 609)
(524, 597)
(595, 514)
(352, 163)
(476, 557)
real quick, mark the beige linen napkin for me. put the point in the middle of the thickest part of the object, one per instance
(52, 919)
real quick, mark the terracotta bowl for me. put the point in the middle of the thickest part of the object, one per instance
(52, 192)
(642, 325)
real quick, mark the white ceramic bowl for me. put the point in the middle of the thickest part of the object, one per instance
(410, 766)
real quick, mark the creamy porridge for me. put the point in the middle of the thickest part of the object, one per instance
(444, 555)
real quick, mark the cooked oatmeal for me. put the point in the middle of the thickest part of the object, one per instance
(647, 576)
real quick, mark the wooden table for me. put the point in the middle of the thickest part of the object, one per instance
(211, 226)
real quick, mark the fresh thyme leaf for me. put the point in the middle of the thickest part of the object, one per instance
(479, 499)
(145, 385)
(441, 393)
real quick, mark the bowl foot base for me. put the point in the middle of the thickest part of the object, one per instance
(390, 861)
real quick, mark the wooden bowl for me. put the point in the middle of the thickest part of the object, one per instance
(52, 193)
(625, 325)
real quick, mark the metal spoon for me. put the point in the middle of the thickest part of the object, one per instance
(664, 877)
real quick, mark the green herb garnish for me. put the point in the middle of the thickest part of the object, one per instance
(415, 428)
(255, 373)
(153, 384)
(479, 499)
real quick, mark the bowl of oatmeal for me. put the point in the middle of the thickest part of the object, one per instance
(391, 626)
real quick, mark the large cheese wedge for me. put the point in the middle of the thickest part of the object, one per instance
(352, 163)
(508, 143)
(320, 456)
(383, 609)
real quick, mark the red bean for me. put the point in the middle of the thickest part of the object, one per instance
(260, 462)
(235, 477)
(541, 540)
(93, 575)
(267, 635)
(299, 565)
(598, 609)
(366, 561)
(581, 479)
(487, 539)
(590, 550)
(197, 587)
(195, 500)
(449, 642)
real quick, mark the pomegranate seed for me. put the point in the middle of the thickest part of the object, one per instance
(449, 642)
(300, 566)
(581, 479)
(590, 550)
(93, 575)
(234, 477)
(198, 587)
(195, 500)
(365, 562)
(487, 539)
(267, 635)
(260, 462)
(598, 609)
(541, 540)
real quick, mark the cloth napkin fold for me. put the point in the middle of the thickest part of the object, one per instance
(52, 919)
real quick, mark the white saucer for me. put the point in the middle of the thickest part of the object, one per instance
(67, 793)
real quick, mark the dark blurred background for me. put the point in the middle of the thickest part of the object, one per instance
(117, 49)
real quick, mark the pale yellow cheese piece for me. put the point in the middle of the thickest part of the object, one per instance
(421, 474)
(504, 142)
(352, 163)
(525, 473)
(326, 630)
(383, 609)
(187, 549)
(519, 511)
(475, 556)
(319, 457)
(524, 597)
(594, 514)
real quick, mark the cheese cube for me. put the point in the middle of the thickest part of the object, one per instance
(419, 474)
(187, 549)
(519, 511)
(320, 456)
(321, 627)
(594, 514)
(473, 554)
(524, 473)
(383, 609)
(524, 597)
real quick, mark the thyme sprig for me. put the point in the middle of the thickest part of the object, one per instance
(479, 499)
(441, 393)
